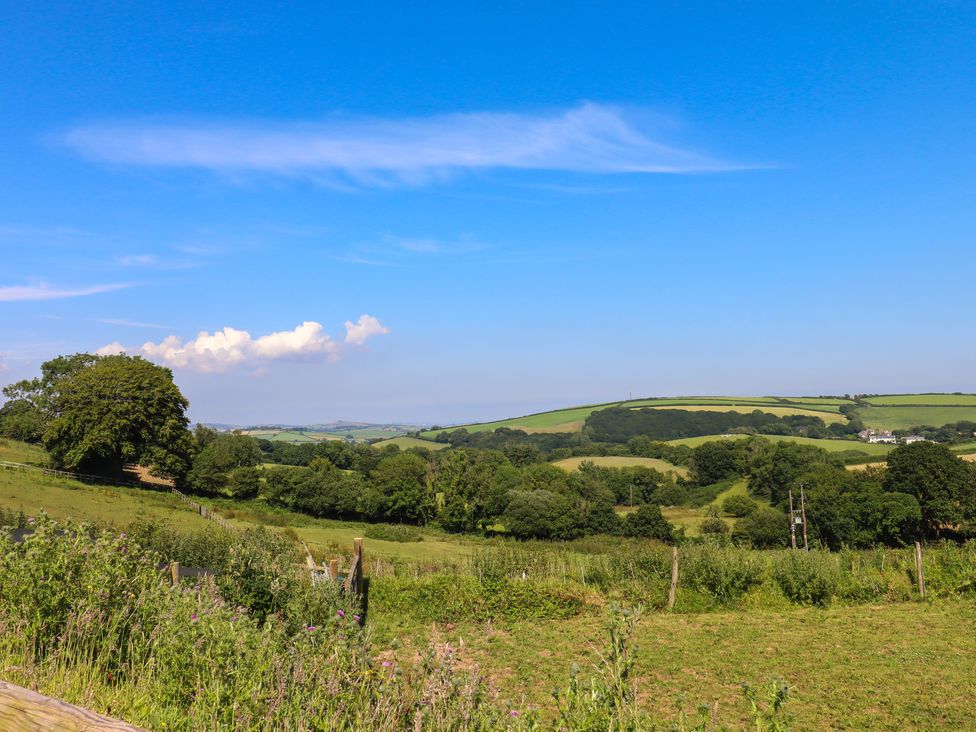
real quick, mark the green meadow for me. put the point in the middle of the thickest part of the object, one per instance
(903, 417)
(934, 400)
(622, 461)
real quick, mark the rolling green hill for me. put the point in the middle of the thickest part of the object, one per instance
(886, 412)
(571, 419)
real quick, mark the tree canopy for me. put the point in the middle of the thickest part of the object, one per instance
(101, 412)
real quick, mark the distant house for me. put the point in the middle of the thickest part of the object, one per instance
(878, 436)
(913, 438)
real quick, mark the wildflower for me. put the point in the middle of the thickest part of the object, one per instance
(386, 664)
(341, 614)
(356, 618)
(233, 618)
(30, 520)
(513, 713)
(193, 617)
(122, 535)
(310, 628)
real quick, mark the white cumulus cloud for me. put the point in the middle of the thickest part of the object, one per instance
(111, 349)
(229, 347)
(365, 327)
(589, 138)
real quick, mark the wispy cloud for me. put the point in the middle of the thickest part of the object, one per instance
(590, 138)
(229, 347)
(132, 323)
(137, 260)
(42, 291)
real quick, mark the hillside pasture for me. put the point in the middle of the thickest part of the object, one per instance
(571, 419)
(22, 452)
(828, 445)
(827, 417)
(560, 420)
(405, 442)
(32, 492)
(622, 461)
(863, 667)
(932, 400)
(907, 416)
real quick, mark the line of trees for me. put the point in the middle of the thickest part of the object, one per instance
(97, 413)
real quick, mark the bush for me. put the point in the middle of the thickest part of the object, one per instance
(453, 598)
(392, 532)
(714, 525)
(648, 522)
(724, 573)
(765, 528)
(807, 578)
(739, 506)
(541, 514)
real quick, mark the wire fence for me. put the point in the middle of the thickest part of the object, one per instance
(198, 508)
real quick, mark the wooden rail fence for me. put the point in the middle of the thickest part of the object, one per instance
(199, 508)
(27, 711)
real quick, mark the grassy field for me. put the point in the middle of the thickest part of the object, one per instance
(828, 417)
(560, 420)
(897, 411)
(405, 443)
(924, 399)
(60, 498)
(829, 445)
(690, 518)
(615, 461)
(904, 417)
(896, 667)
(571, 419)
(21, 452)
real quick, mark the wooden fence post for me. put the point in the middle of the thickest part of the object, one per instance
(174, 568)
(674, 578)
(334, 570)
(919, 573)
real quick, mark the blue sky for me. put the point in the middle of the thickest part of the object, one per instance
(440, 212)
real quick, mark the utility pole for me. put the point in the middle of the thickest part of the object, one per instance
(792, 521)
(803, 514)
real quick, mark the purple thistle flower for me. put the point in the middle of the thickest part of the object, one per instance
(386, 664)
(310, 628)
(513, 713)
(30, 520)
(193, 617)
(356, 618)
(122, 535)
(341, 614)
(233, 618)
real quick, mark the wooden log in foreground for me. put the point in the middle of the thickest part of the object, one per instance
(26, 710)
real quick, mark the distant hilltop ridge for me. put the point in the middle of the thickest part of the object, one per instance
(337, 426)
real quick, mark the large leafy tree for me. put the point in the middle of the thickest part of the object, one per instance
(105, 411)
(29, 404)
(943, 485)
(222, 455)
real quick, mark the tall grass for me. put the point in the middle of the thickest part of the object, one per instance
(86, 615)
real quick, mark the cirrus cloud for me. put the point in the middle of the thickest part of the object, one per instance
(230, 347)
(42, 291)
(589, 138)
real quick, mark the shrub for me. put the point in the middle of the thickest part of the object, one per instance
(714, 525)
(739, 506)
(453, 598)
(724, 573)
(393, 532)
(765, 528)
(648, 522)
(807, 578)
(541, 514)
